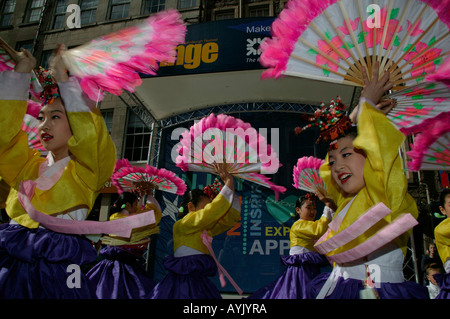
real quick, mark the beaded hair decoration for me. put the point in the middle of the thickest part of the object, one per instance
(331, 120)
(50, 88)
(213, 190)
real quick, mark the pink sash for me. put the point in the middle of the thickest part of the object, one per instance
(207, 240)
(48, 176)
(388, 233)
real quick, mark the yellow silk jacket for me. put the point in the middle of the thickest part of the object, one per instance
(217, 217)
(383, 176)
(304, 232)
(93, 154)
(442, 237)
(137, 234)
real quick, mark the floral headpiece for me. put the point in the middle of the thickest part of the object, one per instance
(213, 190)
(332, 121)
(312, 197)
(50, 88)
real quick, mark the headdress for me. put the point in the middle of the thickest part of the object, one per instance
(50, 89)
(312, 197)
(213, 190)
(331, 119)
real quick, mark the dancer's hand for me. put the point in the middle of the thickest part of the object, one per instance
(57, 66)
(222, 170)
(374, 88)
(386, 106)
(324, 198)
(24, 60)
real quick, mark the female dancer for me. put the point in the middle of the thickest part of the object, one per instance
(120, 274)
(303, 262)
(368, 236)
(191, 264)
(34, 261)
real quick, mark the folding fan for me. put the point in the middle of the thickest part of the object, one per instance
(30, 126)
(431, 148)
(113, 62)
(225, 139)
(306, 174)
(129, 178)
(419, 105)
(333, 40)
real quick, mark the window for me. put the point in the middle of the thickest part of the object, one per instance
(45, 58)
(34, 10)
(184, 4)
(27, 45)
(6, 13)
(59, 18)
(119, 9)
(224, 14)
(151, 6)
(137, 139)
(258, 11)
(108, 117)
(88, 11)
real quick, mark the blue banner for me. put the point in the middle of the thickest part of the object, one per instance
(219, 46)
(250, 251)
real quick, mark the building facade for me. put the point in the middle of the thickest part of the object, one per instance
(39, 25)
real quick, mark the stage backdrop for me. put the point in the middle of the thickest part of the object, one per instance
(251, 250)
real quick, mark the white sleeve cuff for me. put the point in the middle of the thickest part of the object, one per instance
(227, 193)
(328, 213)
(14, 86)
(72, 95)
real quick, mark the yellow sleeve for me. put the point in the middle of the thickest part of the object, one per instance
(117, 216)
(91, 144)
(156, 210)
(226, 222)
(205, 218)
(14, 151)
(310, 229)
(442, 237)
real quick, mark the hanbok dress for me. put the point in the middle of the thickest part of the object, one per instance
(369, 233)
(303, 263)
(120, 274)
(191, 264)
(36, 262)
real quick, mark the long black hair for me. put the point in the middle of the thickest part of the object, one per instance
(194, 196)
(123, 199)
(444, 194)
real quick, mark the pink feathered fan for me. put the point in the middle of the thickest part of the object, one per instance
(113, 62)
(306, 174)
(128, 178)
(225, 139)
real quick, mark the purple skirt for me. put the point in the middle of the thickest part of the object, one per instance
(187, 278)
(120, 275)
(294, 281)
(350, 289)
(443, 280)
(34, 264)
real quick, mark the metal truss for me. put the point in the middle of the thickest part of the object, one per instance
(136, 105)
(237, 108)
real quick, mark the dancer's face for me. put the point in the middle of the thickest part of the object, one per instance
(307, 211)
(347, 166)
(54, 129)
(446, 208)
